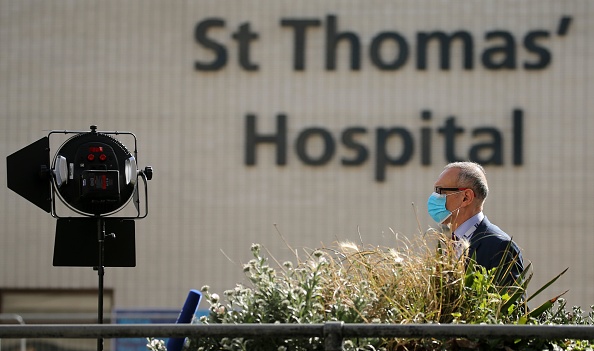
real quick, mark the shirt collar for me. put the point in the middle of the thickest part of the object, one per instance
(466, 229)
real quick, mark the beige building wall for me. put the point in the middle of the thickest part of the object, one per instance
(131, 66)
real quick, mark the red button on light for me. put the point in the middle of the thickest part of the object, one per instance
(90, 157)
(102, 157)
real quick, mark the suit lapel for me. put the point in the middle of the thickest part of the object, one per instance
(479, 233)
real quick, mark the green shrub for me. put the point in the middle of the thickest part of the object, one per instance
(415, 282)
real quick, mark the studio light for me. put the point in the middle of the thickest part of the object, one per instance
(92, 173)
(95, 176)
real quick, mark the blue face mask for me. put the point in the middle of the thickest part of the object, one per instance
(436, 206)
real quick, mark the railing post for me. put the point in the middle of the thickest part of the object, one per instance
(21, 321)
(333, 337)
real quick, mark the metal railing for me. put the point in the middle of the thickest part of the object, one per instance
(333, 333)
(19, 319)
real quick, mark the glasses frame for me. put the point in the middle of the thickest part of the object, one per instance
(439, 189)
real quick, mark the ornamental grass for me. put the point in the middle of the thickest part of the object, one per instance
(425, 280)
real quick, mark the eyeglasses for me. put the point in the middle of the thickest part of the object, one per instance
(440, 190)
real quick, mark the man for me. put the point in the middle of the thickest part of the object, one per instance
(460, 192)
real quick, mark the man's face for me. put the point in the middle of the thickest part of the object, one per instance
(448, 179)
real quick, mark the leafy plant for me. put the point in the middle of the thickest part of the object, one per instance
(425, 281)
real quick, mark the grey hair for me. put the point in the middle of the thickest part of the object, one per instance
(473, 176)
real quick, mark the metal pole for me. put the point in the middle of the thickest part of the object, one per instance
(333, 336)
(101, 273)
(348, 330)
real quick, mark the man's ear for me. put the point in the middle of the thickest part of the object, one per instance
(468, 196)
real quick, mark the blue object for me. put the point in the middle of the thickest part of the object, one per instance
(185, 316)
(436, 206)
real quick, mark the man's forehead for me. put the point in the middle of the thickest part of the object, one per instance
(448, 177)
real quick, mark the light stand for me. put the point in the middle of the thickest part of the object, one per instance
(100, 273)
(95, 176)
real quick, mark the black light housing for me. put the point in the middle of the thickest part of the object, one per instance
(92, 173)
(95, 176)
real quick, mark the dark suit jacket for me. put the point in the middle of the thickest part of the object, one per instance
(491, 245)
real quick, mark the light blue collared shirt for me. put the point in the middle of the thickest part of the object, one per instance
(466, 229)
